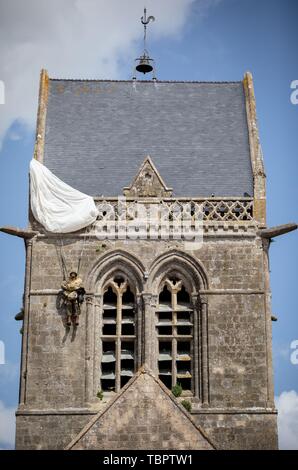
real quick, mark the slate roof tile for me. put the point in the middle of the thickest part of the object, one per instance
(98, 133)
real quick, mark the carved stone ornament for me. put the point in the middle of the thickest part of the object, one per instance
(148, 183)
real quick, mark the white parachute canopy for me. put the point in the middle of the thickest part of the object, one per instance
(56, 205)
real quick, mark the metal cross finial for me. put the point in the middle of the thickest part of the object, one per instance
(145, 21)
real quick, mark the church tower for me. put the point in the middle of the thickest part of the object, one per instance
(170, 347)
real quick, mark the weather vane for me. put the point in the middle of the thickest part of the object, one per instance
(144, 62)
(145, 21)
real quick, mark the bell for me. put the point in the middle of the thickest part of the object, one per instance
(144, 65)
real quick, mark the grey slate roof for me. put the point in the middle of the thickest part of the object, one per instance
(98, 133)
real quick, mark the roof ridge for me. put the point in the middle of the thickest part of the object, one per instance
(95, 80)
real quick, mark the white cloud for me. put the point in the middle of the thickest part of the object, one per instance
(7, 427)
(77, 39)
(287, 405)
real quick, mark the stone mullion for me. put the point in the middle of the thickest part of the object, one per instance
(98, 342)
(204, 336)
(89, 352)
(174, 363)
(118, 343)
(174, 340)
(155, 335)
(138, 332)
(147, 327)
(195, 349)
(155, 344)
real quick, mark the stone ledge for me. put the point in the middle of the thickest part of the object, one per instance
(234, 411)
(219, 230)
(232, 292)
(86, 411)
(207, 292)
(50, 412)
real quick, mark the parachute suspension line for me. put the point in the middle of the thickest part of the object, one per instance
(59, 260)
(63, 261)
(87, 236)
(61, 255)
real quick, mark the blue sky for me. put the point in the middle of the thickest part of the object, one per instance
(195, 40)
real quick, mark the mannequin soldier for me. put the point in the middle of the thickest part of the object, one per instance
(73, 292)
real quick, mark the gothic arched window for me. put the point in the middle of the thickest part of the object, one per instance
(174, 325)
(118, 359)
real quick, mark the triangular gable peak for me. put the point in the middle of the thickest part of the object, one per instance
(148, 182)
(143, 415)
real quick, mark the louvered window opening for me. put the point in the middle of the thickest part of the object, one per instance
(174, 327)
(118, 363)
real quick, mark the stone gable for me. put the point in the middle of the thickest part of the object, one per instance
(143, 415)
(148, 182)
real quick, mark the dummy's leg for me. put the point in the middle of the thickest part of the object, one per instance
(77, 314)
(69, 314)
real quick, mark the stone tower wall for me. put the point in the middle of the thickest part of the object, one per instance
(60, 366)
